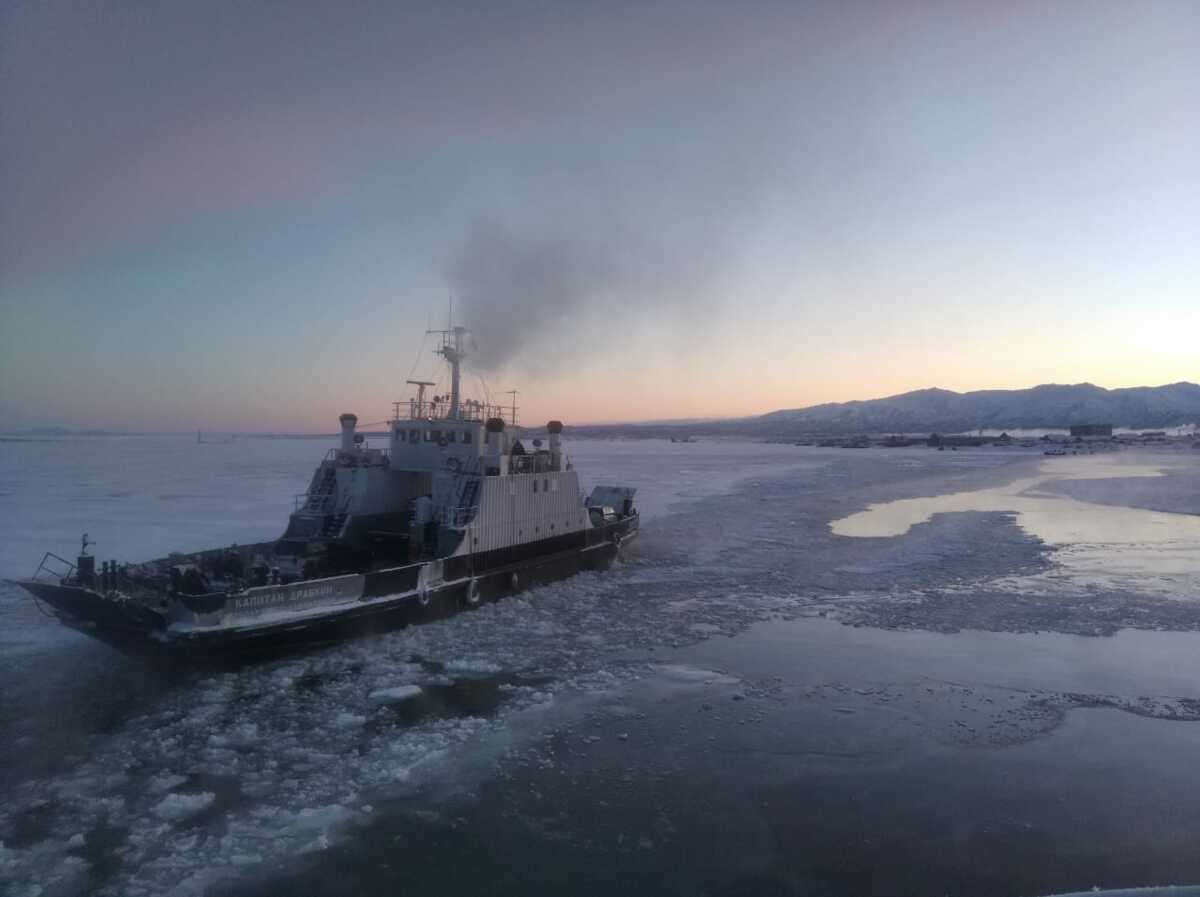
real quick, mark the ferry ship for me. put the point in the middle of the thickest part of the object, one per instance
(459, 509)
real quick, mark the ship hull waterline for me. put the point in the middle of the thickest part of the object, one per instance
(140, 633)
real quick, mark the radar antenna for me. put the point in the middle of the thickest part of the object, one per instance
(420, 385)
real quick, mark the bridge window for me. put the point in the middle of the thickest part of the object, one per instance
(535, 485)
(466, 437)
(451, 436)
(414, 436)
(545, 485)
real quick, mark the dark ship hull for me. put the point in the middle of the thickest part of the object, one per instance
(258, 622)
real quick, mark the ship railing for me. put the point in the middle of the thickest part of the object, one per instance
(469, 410)
(320, 504)
(318, 501)
(54, 566)
(361, 457)
(313, 504)
(463, 516)
(535, 462)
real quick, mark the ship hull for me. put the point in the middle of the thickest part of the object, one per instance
(261, 623)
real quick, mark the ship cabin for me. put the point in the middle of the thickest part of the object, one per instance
(453, 478)
(434, 472)
(470, 437)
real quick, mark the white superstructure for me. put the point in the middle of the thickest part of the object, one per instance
(454, 479)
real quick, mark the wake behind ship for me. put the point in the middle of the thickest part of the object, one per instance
(457, 510)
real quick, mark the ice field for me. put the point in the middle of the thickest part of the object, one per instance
(119, 781)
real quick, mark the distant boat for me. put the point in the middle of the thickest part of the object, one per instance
(228, 440)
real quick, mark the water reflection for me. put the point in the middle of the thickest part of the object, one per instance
(1093, 538)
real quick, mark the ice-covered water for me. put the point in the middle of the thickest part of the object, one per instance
(207, 775)
(118, 781)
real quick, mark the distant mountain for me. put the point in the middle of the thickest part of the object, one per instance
(1050, 406)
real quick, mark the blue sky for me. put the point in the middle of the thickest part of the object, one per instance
(227, 217)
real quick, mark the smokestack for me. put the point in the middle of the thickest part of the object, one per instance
(554, 428)
(348, 422)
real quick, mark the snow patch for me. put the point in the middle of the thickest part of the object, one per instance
(164, 782)
(174, 807)
(396, 695)
(477, 665)
(680, 672)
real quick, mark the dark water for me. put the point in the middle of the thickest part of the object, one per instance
(774, 778)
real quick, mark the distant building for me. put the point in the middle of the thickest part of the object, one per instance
(1091, 429)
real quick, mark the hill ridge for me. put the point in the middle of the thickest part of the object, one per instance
(1045, 406)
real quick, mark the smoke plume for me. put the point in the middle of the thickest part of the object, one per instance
(632, 249)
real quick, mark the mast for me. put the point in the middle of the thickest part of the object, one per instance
(452, 350)
(513, 393)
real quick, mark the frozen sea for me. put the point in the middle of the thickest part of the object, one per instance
(821, 671)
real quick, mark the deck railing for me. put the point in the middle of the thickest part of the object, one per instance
(469, 410)
(53, 565)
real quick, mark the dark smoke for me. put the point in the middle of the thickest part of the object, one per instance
(655, 250)
(513, 290)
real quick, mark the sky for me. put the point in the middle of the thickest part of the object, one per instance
(244, 216)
